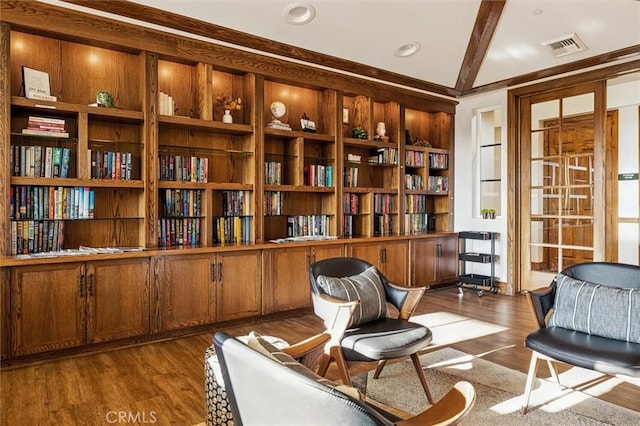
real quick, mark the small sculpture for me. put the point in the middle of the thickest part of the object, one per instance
(381, 132)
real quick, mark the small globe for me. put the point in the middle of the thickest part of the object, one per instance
(278, 109)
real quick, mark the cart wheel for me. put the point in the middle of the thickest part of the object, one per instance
(480, 293)
(495, 290)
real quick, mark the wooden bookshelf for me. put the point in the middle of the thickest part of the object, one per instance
(219, 164)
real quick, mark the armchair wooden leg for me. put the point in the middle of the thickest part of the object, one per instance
(533, 370)
(323, 364)
(341, 363)
(423, 379)
(379, 368)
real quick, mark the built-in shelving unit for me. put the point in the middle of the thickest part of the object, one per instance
(165, 188)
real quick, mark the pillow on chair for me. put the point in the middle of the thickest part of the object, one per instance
(258, 343)
(365, 287)
(596, 309)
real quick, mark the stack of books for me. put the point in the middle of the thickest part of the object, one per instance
(46, 126)
(278, 125)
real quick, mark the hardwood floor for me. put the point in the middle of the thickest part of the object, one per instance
(163, 383)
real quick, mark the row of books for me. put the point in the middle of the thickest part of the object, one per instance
(48, 202)
(179, 232)
(318, 175)
(351, 203)
(236, 203)
(232, 230)
(351, 177)
(272, 173)
(308, 225)
(413, 181)
(385, 156)
(438, 183)
(166, 104)
(414, 158)
(40, 161)
(36, 236)
(273, 203)
(383, 203)
(349, 226)
(181, 203)
(438, 160)
(178, 168)
(416, 223)
(46, 126)
(416, 203)
(114, 165)
(382, 225)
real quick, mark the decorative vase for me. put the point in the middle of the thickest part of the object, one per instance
(227, 117)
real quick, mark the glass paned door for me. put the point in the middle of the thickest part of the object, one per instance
(558, 205)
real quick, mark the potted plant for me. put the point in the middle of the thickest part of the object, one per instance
(488, 213)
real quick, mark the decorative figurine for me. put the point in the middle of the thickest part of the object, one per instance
(381, 132)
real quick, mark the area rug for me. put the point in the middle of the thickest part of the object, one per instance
(499, 392)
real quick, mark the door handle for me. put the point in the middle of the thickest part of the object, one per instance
(213, 272)
(91, 282)
(81, 285)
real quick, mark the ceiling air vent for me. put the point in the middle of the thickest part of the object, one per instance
(565, 45)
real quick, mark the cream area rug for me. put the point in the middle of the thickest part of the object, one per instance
(499, 392)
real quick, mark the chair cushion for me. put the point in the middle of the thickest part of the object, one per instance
(587, 351)
(365, 287)
(385, 338)
(258, 343)
(596, 309)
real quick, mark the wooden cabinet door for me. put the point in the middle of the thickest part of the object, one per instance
(287, 271)
(117, 299)
(5, 320)
(389, 257)
(423, 256)
(394, 261)
(326, 252)
(47, 307)
(448, 259)
(239, 284)
(367, 251)
(187, 291)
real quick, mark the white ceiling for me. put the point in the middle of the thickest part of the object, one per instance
(368, 31)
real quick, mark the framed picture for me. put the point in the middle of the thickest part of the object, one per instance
(345, 115)
(36, 84)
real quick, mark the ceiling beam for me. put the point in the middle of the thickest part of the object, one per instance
(216, 32)
(481, 35)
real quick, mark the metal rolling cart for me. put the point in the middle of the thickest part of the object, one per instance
(479, 283)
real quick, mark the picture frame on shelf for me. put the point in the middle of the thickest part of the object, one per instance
(36, 84)
(345, 115)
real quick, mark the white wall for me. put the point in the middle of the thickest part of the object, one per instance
(625, 97)
(467, 216)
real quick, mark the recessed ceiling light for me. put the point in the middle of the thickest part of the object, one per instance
(299, 13)
(537, 12)
(407, 49)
